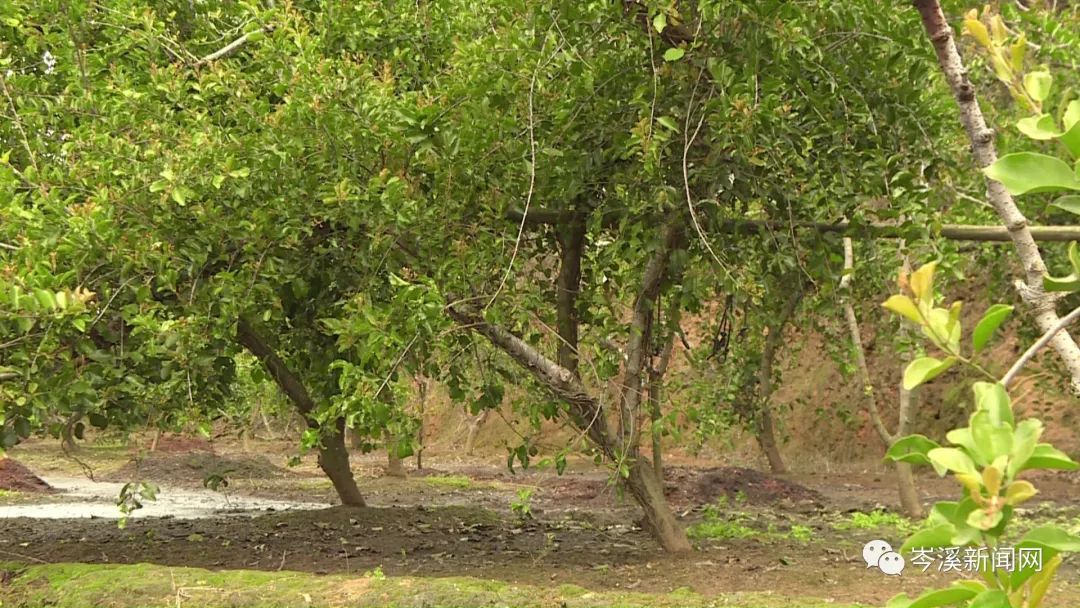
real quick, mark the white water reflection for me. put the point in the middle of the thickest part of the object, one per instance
(82, 498)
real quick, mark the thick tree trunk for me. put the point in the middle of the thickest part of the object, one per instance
(333, 457)
(648, 490)
(1042, 304)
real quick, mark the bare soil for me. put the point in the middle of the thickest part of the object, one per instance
(16, 477)
(454, 519)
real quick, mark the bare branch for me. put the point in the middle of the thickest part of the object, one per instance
(1039, 345)
(232, 47)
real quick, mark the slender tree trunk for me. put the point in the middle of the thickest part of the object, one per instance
(766, 422)
(656, 414)
(474, 428)
(333, 457)
(909, 494)
(421, 389)
(1042, 304)
(648, 491)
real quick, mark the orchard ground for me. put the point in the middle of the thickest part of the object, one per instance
(457, 534)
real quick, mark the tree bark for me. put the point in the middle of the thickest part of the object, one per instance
(571, 237)
(394, 466)
(656, 386)
(641, 326)
(766, 423)
(905, 479)
(333, 457)
(1042, 304)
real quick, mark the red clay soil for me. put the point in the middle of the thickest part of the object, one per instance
(16, 477)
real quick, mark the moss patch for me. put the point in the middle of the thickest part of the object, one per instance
(151, 586)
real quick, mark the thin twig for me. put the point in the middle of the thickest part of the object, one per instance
(1037, 346)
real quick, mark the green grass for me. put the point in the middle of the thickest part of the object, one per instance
(449, 481)
(876, 519)
(9, 493)
(151, 586)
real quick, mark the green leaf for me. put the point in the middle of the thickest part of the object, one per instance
(1028, 172)
(937, 536)
(674, 54)
(668, 122)
(942, 597)
(993, 398)
(991, 598)
(1051, 537)
(1046, 456)
(659, 22)
(913, 449)
(925, 369)
(1039, 127)
(988, 324)
(1071, 139)
(1068, 283)
(179, 196)
(1069, 202)
(1071, 117)
(1025, 438)
(45, 298)
(951, 459)
(1037, 84)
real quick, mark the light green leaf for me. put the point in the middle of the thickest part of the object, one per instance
(912, 448)
(1069, 202)
(925, 369)
(991, 598)
(668, 122)
(674, 54)
(991, 320)
(179, 196)
(1046, 456)
(1037, 84)
(1040, 127)
(659, 22)
(1024, 172)
(1025, 438)
(994, 399)
(951, 459)
(1071, 117)
(937, 536)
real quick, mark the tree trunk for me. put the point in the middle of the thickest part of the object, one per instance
(1042, 304)
(421, 389)
(656, 414)
(648, 491)
(334, 461)
(905, 479)
(333, 457)
(766, 423)
(474, 428)
(394, 466)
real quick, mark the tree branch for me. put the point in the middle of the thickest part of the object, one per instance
(856, 339)
(232, 47)
(1039, 345)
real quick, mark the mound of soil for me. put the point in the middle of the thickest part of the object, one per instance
(16, 477)
(194, 467)
(703, 486)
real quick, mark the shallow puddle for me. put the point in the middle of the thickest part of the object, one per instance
(82, 498)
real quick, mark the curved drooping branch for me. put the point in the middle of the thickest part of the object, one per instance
(333, 456)
(981, 137)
